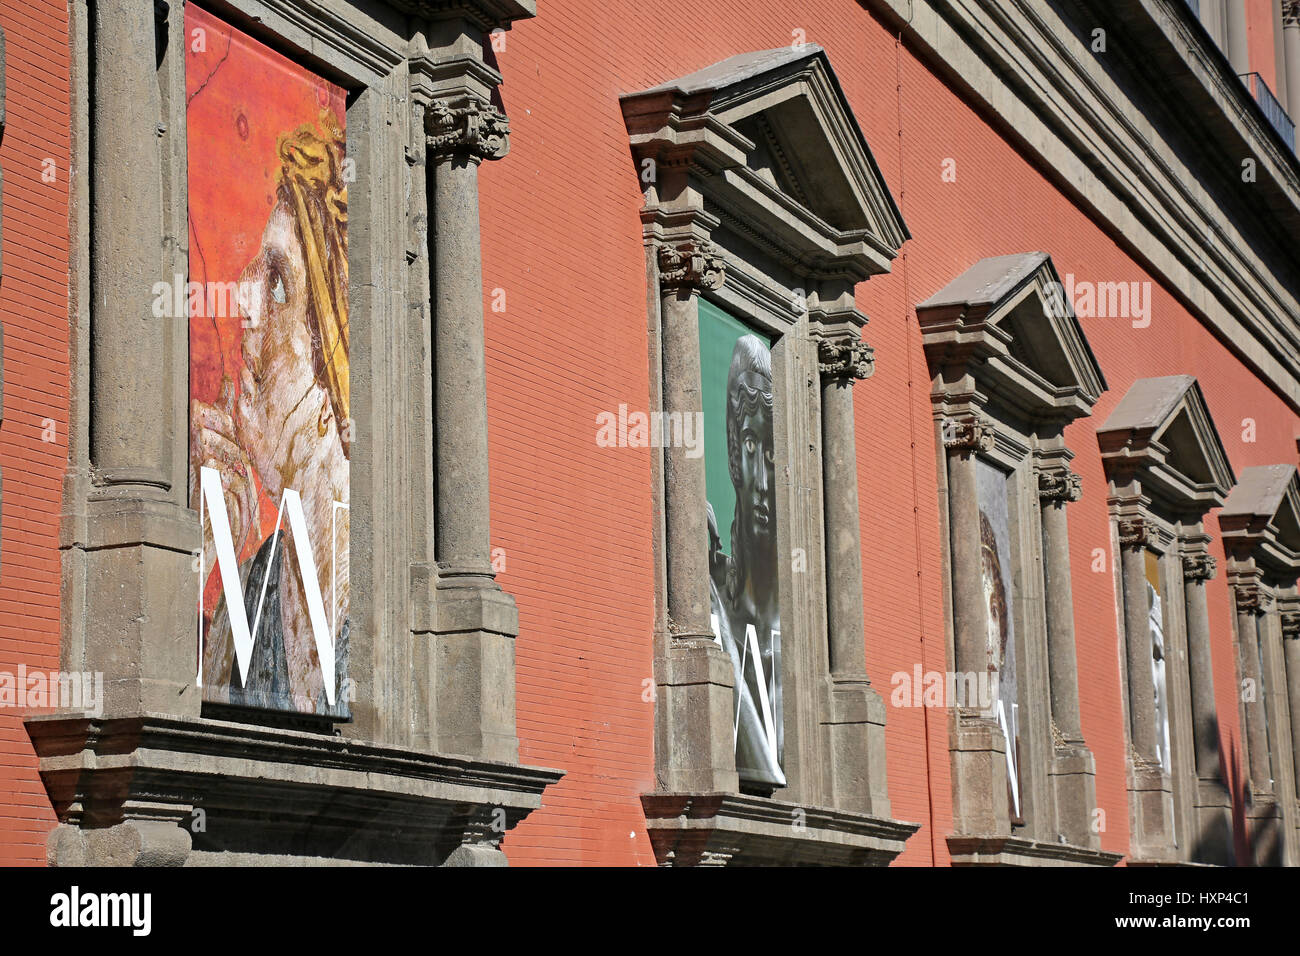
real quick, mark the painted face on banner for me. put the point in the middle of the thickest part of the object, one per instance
(757, 491)
(269, 375)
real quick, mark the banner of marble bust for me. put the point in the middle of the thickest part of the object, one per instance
(269, 429)
(739, 458)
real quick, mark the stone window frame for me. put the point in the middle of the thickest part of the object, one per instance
(760, 243)
(1260, 526)
(431, 751)
(1010, 369)
(1166, 469)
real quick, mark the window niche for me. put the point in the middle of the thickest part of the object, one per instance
(1165, 468)
(428, 764)
(763, 211)
(1010, 369)
(1260, 524)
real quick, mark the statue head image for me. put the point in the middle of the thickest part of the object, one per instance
(752, 464)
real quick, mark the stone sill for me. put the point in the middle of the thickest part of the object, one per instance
(1015, 851)
(720, 829)
(277, 795)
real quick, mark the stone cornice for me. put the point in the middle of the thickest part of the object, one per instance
(1056, 101)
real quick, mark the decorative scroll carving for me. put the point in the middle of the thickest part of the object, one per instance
(1290, 13)
(478, 128)
(1059, 485)
(1291, 624)
(1253, 598)
(967, 432)
(691, 265)
(1134, 532)
(845, 359)
(1199, 566)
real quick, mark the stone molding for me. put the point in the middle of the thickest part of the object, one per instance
(724, 829)
(228, 792)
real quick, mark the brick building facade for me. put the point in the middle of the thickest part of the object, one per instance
(1066, 232)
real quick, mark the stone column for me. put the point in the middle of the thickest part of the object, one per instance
(1055, 489)
(1198, 568)
(980, 797)
(857, 724)
(477, 621)
(695, 680)
(1251, 600)
(1137, 630)
(1291, 53)
(1073, 770)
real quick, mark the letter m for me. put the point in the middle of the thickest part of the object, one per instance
(233, 588)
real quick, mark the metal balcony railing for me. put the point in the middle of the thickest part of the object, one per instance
(1271, 107)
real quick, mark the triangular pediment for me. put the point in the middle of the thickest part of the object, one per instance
(1263, 515)
(1007, 318)
(783, 151)
(1162, 432)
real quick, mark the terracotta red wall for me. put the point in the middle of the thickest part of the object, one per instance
(34, 313)
(562, 237)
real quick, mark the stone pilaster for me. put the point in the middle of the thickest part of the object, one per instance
(857, 713)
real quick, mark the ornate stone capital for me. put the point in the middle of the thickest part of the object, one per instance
(1199, 566)
(1134, 532)
(690, 265)
(1252, 598)
(1291, 624)
(1290, 13)
(967, 431)
(845, 359)
(478, 128)
(1059, 484)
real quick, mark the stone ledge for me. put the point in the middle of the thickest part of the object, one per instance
(274, 795)
(1014, 851)
(720, 829)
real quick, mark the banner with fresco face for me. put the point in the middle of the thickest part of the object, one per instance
(1000, 646)
(740, 468)
(269, 428)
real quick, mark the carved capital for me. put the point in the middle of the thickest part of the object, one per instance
(1199, 566)
(476, 128)
(1134, 532)
(968, 431)
(690, 265)
(845, 359)
(1059, 484)
(1291, 624)
(1290, 13)
(1252, 598)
